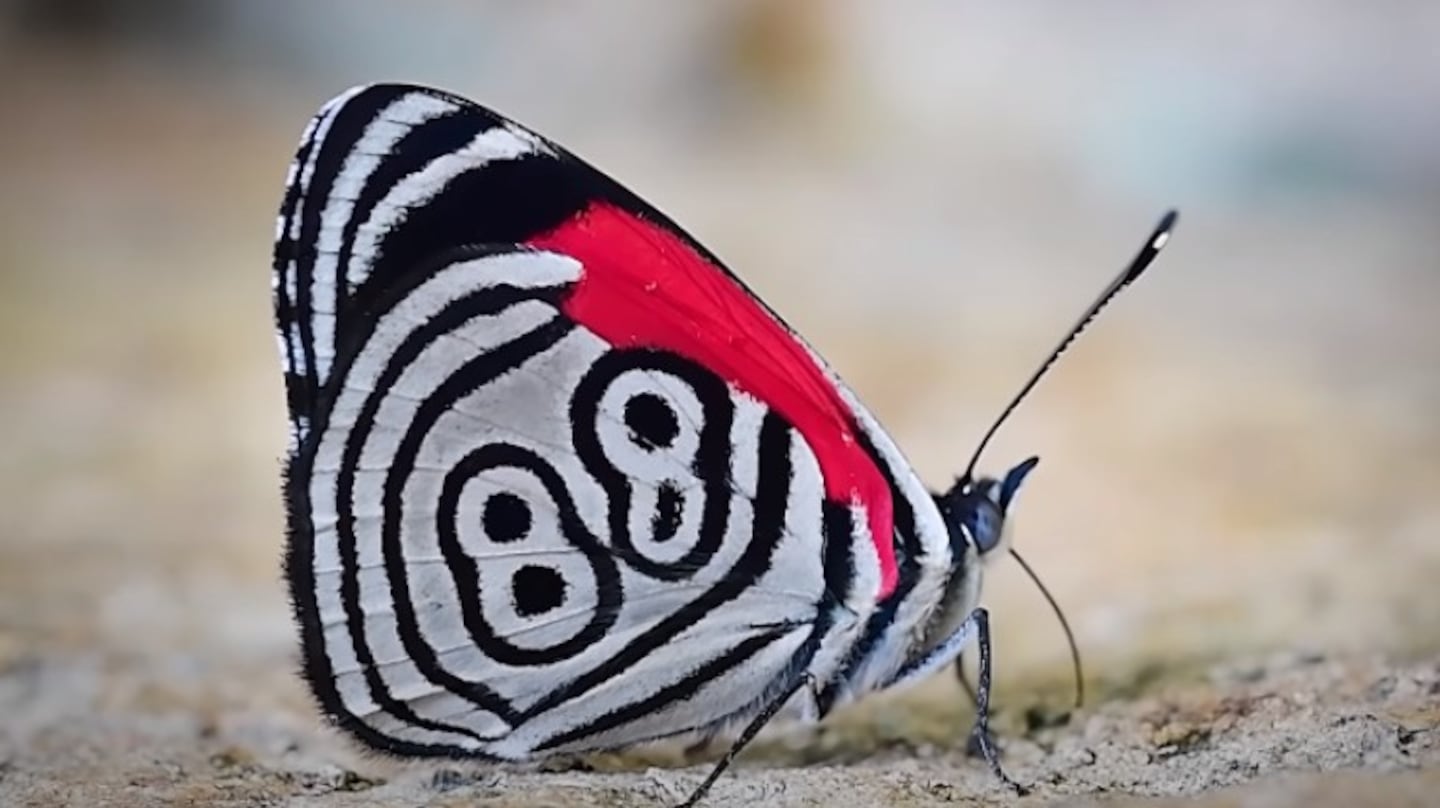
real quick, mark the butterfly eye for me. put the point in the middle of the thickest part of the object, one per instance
(986, 522)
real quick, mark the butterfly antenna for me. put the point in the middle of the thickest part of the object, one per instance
(1064, 624)
(1137, 265)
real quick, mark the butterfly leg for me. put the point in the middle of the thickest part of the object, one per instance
(977, 625)
(973, 746)
(751, 730)
(964, 679)
(981, 734)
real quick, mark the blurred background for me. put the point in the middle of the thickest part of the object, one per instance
(1242, 456)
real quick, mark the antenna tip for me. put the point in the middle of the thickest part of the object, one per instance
(1163, 229)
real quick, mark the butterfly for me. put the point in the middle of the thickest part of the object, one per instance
(559, 482)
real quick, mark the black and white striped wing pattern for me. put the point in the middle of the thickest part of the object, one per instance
(534, 507)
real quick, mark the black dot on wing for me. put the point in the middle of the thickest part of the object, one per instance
(537, 590)
(651, 421)
(506, 517)
(666, 522)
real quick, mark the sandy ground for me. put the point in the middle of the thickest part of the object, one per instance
(1306, 730)
(1239, 504)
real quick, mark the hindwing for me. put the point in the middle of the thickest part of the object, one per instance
(557, 480)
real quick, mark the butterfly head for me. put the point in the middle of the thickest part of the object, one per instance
(975, 509)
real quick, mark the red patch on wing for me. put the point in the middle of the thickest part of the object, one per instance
(645, 287)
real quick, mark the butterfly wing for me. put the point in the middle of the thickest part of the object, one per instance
(558, 481)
